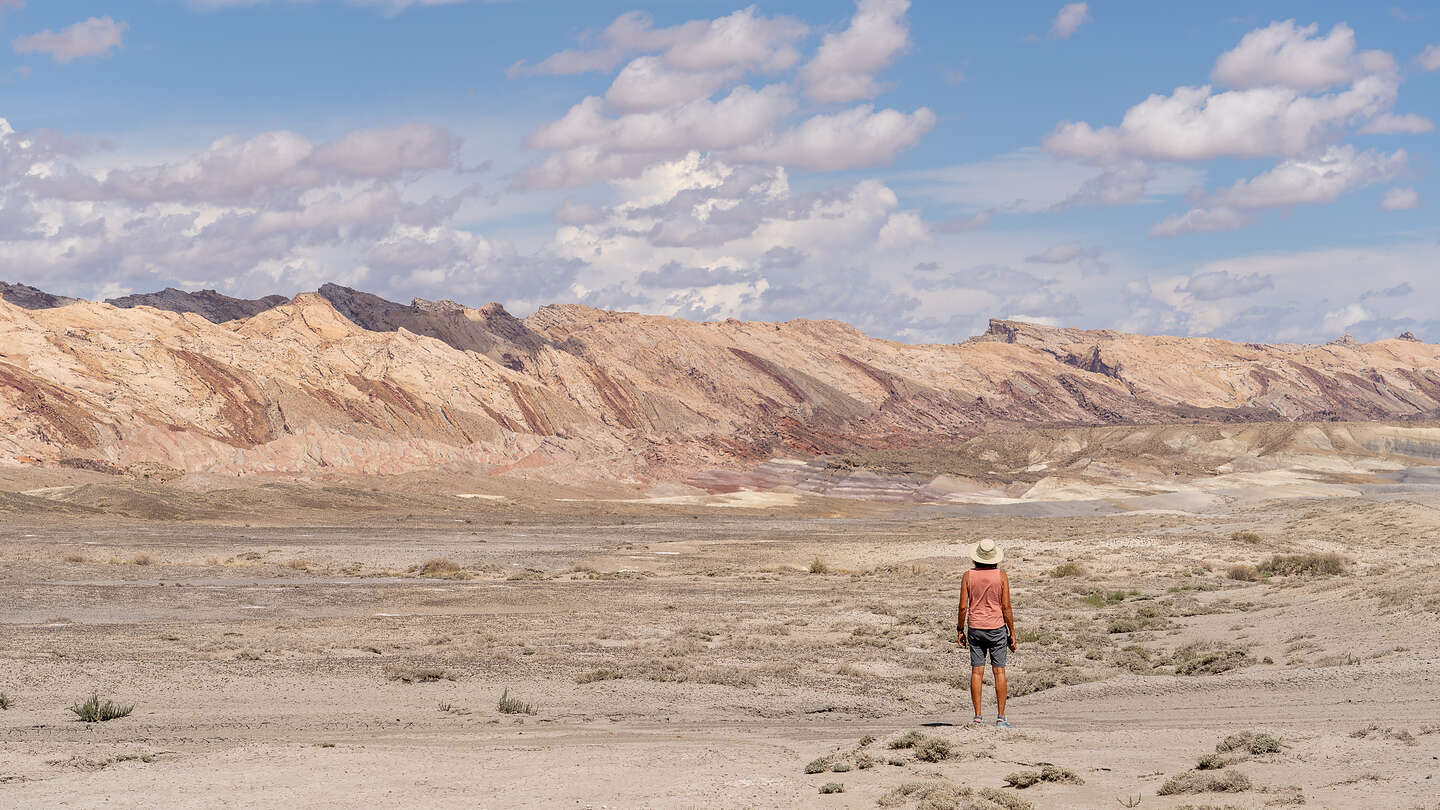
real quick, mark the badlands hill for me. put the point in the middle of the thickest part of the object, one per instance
(343, 381)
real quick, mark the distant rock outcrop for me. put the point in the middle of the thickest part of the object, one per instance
(23, 295)
(344, 381)
(208, 304)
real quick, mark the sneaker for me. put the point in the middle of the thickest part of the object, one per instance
(1002, 723)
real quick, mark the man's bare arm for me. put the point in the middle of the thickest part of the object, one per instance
(1005, 608)
(960, 614)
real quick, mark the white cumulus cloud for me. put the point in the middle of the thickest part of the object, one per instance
(1392, 124)
(1200, 220)
(97, 36)
(1069, 20)
(1310, 181)
(845, 66)
(1429, 59)
(1289, 55)
(1400, 199)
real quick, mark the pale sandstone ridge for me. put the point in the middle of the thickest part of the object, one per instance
(345, 381)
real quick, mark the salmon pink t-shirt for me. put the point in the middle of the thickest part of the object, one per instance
(986, 590)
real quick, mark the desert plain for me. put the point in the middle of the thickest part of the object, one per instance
(1190, 637)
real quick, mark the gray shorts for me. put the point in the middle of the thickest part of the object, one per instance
(993, 643)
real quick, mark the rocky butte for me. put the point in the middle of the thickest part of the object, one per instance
(347, 382)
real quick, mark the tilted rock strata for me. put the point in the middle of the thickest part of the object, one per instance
(345, 381)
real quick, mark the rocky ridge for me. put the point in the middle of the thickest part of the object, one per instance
(343, 381)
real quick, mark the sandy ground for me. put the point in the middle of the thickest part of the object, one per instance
(683, 654)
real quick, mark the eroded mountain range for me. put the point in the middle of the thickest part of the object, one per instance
(344, 381)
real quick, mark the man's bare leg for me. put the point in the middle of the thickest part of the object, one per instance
(977, 684)
(1000, 688)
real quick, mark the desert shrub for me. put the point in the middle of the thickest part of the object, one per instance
(75, 558)
(924, 792)
(936, 795)
(143, 559)
(819, 765)
(832, 787)
(1197, 661)
(1048, 773)
(1228, 781)
(602, 674)
(933, 749)
(1023, 779)
(866, 740)
(1288, 565)
(840, 767)
(438, 567)
(1069, 569)
(1134, 624)
(95, 711)
(818, 566)
(1399, 735)
(1022, 685)
(412, 674)
(510, 705)
(724, 676)
(1103, 598)
(1251, 742)
(1005, 801)
(1243, 573)
(907, 740)
(1245, 537)
(1134, 658)
(1210, 762)
(5, 702)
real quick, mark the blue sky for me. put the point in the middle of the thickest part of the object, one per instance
(1251, 171)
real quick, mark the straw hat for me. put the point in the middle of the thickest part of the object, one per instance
(987, 551)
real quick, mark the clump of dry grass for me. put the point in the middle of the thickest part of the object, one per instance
(1289, 565)
(509, 705)
(1099, 598)
(1134, 624)
(1243, 573)
(75, 558)
(1398, 735)
(1049, 773)
(602, 674)
(438, 567)
(937, 795)
(819, 566)
(1198, 659)
(832, 787)
(297, 565)
(417, 674)
(925, 747)
(5, 702)
(1229, 781)
(1245, 537)
(94, 710)
(142, 559)
(1211, 762)
(1250, 742)
(1069, 569)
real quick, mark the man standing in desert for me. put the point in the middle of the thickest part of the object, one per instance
(985, 603)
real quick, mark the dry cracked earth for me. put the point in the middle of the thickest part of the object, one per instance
(353, 647)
